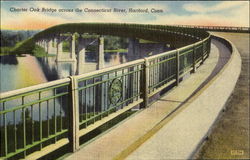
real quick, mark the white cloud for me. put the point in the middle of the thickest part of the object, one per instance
(201, 8)
(237, 16)
(205, 19)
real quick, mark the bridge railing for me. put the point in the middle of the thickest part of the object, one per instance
(48, 116)
(219, 28)
(34, 117)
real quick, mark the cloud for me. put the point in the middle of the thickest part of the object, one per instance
(201, 8)
(227, 13)
(237, 14)
(204, 20)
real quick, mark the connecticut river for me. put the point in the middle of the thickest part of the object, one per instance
(20, 72)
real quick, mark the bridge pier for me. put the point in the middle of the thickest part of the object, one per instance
(66, 69)
(49, 45)
(100, 53)
(45, 45)
(59, 48)
(53, 46)
(133, 49)
(63, 57)
(81, 60)
(73, 47)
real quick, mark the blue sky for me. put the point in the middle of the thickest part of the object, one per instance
(224, 13)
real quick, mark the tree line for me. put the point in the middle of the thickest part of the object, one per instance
(10, 38)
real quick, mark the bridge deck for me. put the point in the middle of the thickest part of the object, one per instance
(225, 137)
(122, 140)
(179, 137)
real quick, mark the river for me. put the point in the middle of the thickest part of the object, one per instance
(23, 71)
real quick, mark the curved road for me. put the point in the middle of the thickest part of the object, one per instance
(182, 132)
(230, 137)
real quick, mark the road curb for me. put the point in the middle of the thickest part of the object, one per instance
(230, 73)
(203, 109)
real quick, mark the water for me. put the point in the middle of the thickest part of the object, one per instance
(20, 72)
(23, 71)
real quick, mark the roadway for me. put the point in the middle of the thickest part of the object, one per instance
(180, 134)
(140, 136)
(231, 133)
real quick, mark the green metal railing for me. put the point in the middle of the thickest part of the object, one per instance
(105, 92)
(33, 117)
(40, 116)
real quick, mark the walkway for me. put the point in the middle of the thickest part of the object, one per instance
(230, 138)
(127, 136)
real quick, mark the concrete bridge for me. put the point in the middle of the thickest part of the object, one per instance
(77, 50)
(91, 100)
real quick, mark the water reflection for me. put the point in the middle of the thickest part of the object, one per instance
(8, 59)
(20, 72)
(26, 72)
(57, 70)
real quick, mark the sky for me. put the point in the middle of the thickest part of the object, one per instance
(208, 13)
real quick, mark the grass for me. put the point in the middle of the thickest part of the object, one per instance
(146, 41)
(115, 50)
(66, 46)
(6, 50)
(40, 52)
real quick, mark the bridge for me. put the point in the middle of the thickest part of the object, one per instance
(219, 28)
(57, 114)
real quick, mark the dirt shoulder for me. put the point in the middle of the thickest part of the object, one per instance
(230, 136)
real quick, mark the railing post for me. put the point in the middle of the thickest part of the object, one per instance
(203, 51)
(74, 115)
(146, 83)
(177, 67)
(209, 46)
(100, 64)
(194, 53)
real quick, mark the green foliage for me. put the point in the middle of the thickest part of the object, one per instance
(40, 52)
(5, 50)
(9, 37)
(115, 50)
(24, 47)
(115, 43)
(66, 46)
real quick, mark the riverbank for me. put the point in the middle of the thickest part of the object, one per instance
(5, 51)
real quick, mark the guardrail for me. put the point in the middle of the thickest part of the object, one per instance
(48, 116)
(219, 28)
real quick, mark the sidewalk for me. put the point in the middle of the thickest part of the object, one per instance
(180, 137)
(224, 141)
(122, 140)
